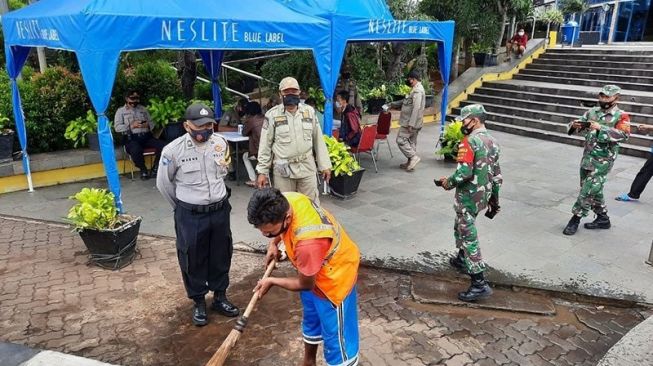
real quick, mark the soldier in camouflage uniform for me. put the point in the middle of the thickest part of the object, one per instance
(604, 127)
(477, 180)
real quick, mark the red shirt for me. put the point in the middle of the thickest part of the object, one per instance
(310, 255)
(520, 40)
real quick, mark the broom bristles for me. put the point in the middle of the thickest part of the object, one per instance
(222, 353)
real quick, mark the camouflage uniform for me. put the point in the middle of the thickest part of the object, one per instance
(601, 150)
(477, 177)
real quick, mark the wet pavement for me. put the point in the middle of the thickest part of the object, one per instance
(51, 299)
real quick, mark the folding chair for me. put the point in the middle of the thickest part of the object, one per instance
(148, 151)
(366, 144)
(383, 130)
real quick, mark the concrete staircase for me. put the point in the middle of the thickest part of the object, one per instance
(561, 85)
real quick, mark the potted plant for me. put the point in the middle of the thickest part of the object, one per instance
(376, 98)
(6, 138)
(318, 97)
(166, 115)
(479, 51)
(83, 130)
(399, 91)
(450, 140)
(110, 238)
(347, 173)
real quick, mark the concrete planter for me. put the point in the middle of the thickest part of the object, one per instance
(6, 145)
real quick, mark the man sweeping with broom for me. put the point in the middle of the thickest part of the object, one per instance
(327, 263)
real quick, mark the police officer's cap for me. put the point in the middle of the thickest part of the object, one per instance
(610, 90)
(472, 110)
(199, 114)
(288, 83)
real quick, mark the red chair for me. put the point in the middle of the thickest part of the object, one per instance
(335, 134)
(366, 144)
(383, 130)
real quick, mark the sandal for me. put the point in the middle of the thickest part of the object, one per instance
(624, 197)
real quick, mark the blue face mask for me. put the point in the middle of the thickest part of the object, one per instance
(201, 135)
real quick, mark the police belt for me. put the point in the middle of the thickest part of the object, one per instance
(299, 158)
(212, 207)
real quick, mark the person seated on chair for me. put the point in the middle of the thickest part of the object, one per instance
(254, 120)
(517, 44)
(134, 122)
(235, 116)
(350, 125)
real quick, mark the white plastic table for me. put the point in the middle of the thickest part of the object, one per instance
(235, 138)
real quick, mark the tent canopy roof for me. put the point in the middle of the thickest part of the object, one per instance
(370, 9)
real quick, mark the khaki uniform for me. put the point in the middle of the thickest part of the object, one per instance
(412, 115)
(290, 146)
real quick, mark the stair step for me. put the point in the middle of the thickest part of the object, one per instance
(586, 82)
(574, 51)
(546, 106)
(595, 63)
(588, 75)
(580, 94)
(590, 69)
(626, 149)
(548, 125)
(562, 100)
(601, 57)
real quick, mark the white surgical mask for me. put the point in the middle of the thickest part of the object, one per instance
(521, 33)
(338, 105)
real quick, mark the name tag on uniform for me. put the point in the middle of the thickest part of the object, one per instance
(280, 120)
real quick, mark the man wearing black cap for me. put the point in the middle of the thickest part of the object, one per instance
(191, 177)
(411, 120)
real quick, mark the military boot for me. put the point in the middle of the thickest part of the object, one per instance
(572, 226)
(602, 221)
(479, 289)
(458, 262)
(199, 313)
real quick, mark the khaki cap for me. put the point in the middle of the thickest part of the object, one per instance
(288, 83)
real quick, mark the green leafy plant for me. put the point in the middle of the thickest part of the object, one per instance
(450, 139)
(380, 92)
(95, 209)
(318, 96)
(342, 160)
(573, 6)
(5, 123)
(400, 88)
(166, 111)
(80, 127)
(478, 47)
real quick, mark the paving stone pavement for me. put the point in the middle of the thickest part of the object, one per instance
(51, 299)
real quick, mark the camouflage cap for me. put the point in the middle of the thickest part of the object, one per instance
(288, 83)
(471, 110)
(610, 90)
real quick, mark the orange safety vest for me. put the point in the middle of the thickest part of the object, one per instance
(339, 269)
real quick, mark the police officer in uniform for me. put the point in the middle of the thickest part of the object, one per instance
(291, 143)
(411, 120)
(191, 177)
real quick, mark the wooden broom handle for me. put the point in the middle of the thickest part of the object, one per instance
(254, 299)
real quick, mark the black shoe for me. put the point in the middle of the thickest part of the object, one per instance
(602, 221)
(224, 306)
(199, 314)
(479, 289)
(144, 175)
(572, 226)
(458, 263)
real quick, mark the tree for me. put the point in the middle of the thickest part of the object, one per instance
(569, 7)
(550, 16)
(188, 73)
(505, 8)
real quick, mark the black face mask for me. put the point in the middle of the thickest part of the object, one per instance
(606, 105)
(466, 130)
(204, 133)
(283, 229)
(290, 100)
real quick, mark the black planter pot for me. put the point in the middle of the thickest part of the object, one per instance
(112, 249)
(345, 186)
(429, 101)
(173, 130)
(375, 106)
(479, 59)
(93, 141)
(6, 145)
(397, 97)
(490, 60)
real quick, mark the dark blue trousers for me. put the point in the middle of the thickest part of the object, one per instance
(204, 249)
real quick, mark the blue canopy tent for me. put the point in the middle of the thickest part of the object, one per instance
(371, 20)
(99, 30)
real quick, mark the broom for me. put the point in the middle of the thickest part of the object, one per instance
(222, 353)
